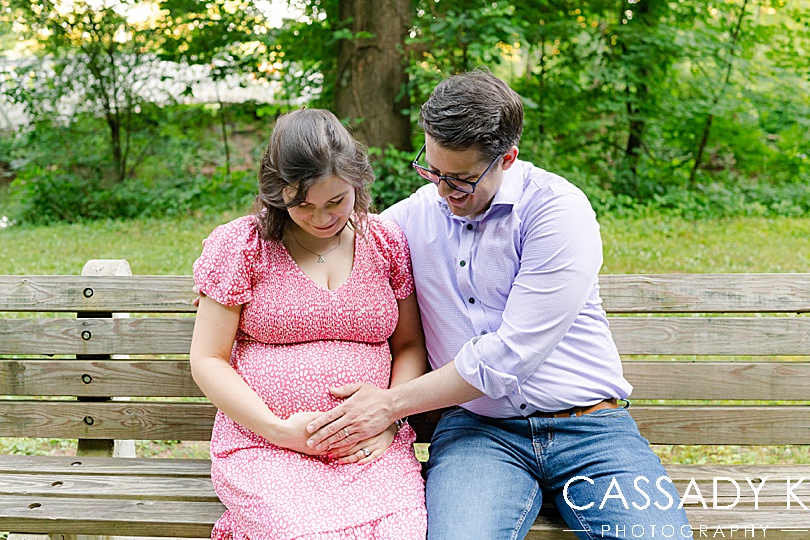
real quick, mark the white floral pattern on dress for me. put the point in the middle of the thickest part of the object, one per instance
(296, 340)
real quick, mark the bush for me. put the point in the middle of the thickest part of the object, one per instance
(39, 196)
(395, 178)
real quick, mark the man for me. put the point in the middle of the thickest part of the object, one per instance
(506, 259)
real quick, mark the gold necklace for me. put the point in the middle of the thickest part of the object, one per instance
(320, 255)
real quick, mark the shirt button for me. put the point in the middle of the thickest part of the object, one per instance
(523, 407)
(469, 227)
(471, 300)
(463, 264)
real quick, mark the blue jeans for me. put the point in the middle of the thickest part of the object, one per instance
(488, 477)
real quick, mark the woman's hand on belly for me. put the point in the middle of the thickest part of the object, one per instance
(292, 433)
(369, 449)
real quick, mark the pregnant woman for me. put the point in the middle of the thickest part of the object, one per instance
(308, 294)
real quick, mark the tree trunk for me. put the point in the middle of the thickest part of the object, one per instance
(370, 89)
(114, 122)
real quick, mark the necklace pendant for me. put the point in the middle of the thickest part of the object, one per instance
(321, 259)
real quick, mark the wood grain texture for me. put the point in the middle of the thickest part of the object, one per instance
(172, 378)
(622, 293)
(776, 381)
(122, 294)
(717, 424)
(61, 515)
(661, 424)
(65, 465)
(146, 378)
(57, 489)
(721, 336)
(700, 424)
(107, 420)
(706, 293)
(728, 489)
(736, 336)
(134, 336)
(108, 487)
(195, 519)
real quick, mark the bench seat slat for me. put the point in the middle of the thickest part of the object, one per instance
(137, 378)
(772, 493)
(622, 293)
(195, 519)
(61, 515)
(736, 336)
(108, 487)
(701, 424)
(66, 465)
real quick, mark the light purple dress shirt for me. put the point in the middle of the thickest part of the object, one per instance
(512, 295)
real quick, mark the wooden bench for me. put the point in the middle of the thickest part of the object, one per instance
(715, 360)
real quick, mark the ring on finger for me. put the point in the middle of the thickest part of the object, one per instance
(345, 432)
(366, 451)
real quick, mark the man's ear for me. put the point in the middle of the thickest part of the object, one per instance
(509, 157)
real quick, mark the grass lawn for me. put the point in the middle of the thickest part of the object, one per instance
(649, 245)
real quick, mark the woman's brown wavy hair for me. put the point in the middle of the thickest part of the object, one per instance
(308, 146)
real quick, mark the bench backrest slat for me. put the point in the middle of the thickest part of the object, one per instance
(661, 424)
(145, 335)
(142, 378)
(710, 336)
(706, 293)
(184, 421)
(122, 294)
(744, 381)
(621, 293)
(681, 380)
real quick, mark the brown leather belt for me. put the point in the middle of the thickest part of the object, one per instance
(577, 411)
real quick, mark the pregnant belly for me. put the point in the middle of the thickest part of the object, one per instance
(297, 377)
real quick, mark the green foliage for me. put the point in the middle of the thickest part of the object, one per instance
(395, 178)
(686, 108)
(59, 175)
(89, 59)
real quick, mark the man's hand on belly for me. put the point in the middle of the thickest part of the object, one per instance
(367, 411)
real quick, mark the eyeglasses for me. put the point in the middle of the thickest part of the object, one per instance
(465, 186)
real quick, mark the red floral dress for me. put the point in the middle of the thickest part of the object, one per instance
(296, 340)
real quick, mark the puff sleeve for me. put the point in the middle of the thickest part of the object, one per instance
(224, 271)
(395, 246)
